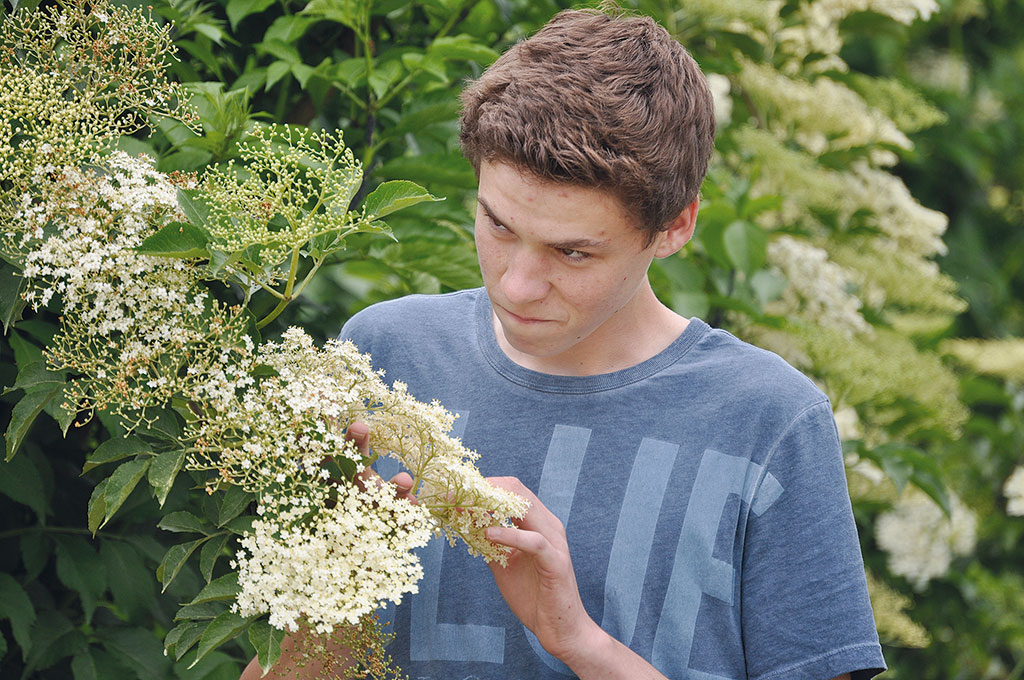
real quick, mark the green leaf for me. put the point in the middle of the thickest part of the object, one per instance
(395, 195)
(34, 376)
(240, 9)
(224, 588)
(163, 471)
(177, 239)
(745, 244)
(114, 449)
(25, 413)
(211, 552)
(81, 570)
(132, 587)
(182, 637)
(174, 560)
(207, 611)
(276, 71)
(139, 649)
(50, 634)
(34, 547)
(16, 606)
(25, 352)
(462, 47)
(21, 481)
(235, 501)
(384, 76)
(97, 507)
(11, 304)
(267, 641)
(121, 484)
(415, 120)
(225, 627)
(182, 522)
(197, 212)
(83, 667)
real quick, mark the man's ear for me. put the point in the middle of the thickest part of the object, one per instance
(679, 232)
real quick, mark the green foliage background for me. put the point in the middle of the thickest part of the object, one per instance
(388, 73)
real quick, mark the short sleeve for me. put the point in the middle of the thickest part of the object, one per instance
(806, 613)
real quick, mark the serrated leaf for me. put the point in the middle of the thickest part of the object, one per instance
(224, 588)
(177, 239)
(207, 611)
(234, 502)
(276, 71)
(240, 525)
(163, 471)
(11, 303)
(121, 484)
(182, 637)
(211, 552)
(395, 195)
(24, 415)
(174, 560)
(97, 507)
(182, 521)
(462, 47)
(225, 627)
(114, 449)
(197, 212)
(240, 9)
(83, 667)
(35, 376)
(16, 606)
(267, 641)
(20, 481)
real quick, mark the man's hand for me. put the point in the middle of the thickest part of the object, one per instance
(539, 583)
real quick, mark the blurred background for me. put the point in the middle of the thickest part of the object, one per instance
(862, 217)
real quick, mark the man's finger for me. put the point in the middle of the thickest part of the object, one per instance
(359, 432)
(403, 486)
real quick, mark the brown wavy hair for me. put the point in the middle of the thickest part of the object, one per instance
(597, 100)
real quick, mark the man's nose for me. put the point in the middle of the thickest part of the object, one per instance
(525, 278)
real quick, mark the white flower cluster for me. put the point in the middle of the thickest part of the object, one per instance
(333, 565)
(822, 115)
(912, 227)
(274, 434)
(818, 288)
(920, 540)
(817, 32)
(1013, 489)
(129, 320)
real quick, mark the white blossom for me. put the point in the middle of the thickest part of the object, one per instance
(920, 540)
(1013, 489)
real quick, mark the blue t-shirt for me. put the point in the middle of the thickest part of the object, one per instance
(702, 491)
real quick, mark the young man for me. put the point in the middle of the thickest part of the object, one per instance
(689, 510)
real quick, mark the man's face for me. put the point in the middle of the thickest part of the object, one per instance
(565, 269)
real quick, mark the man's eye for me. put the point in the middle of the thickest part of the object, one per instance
(574, 255)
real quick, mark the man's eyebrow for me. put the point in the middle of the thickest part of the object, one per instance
(572, 244)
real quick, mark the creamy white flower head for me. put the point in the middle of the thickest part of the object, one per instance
(720, 87)
(333, 566)
(1013, 489)
(818, 288)
(920, 540)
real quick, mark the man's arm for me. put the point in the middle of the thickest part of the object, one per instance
(539, 586)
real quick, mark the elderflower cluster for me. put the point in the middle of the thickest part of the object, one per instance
(131, 323)
(332, 565)
(758, 19)
(920, 540)
(817, 31)
(818, 287)
(823, 115)
(912, 227)
(1013, 489)
(283, 199)
(275, 432)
